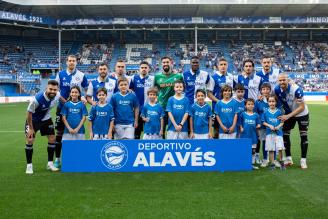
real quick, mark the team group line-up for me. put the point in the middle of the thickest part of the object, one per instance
(263, 106)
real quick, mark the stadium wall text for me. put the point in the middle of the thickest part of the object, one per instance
(157, 155)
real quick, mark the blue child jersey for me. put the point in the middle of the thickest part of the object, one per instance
(200, 115)
(226, 111)
(154, 113)
(74, 113)
(101, 116)
(249, 123)
(260, 107)
(271, 117)
(178, 108)
(124, 107)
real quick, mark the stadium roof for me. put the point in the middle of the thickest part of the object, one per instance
(155, 8)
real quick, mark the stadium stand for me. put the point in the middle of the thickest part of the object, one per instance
(17, 54)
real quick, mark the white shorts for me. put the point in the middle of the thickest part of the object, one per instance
(100, 137)
(176, 135)
(201, 136)
(124, 132)
(151, 137)
(274, 143)
(262, 135)
(227, 136)
(68, 136)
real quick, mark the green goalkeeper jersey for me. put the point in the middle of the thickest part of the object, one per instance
(165, 85)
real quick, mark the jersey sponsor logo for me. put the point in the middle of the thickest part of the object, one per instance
(114, 155)
(166, 85)
(99, 113)
(124, 102)
(152, 113)
(273, 120)
(249, 121)
(178, 106)
(201, 114)
(226, 110)
(73, 110)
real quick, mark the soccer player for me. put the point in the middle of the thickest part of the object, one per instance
(261, 105)
(126, 110)
(39, 118)
(226, 114)
(67, 79)
(74, 114)
(178, 109)
(101, 118)
(140, 84)
(268, 73)
(274, 140)
(120, 70)
(152, 114)
(250, 81)
(164, 81)
(220, 78)
(249, 123)
(195, 79)
(200, 117)
(102, 81)
(292, 99)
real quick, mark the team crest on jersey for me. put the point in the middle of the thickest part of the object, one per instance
(77, 79)
(114, 155)
(64, 79)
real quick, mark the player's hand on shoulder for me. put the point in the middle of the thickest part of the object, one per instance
(192, 135)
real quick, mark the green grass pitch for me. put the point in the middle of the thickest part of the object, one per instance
(294, 193)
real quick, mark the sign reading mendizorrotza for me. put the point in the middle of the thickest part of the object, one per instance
(157, 155)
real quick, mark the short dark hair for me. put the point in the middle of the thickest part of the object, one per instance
(53, 82)
(152, 90)
(221, 59)
(179, 82)
(266, 57)
(166, 57)
(200, 91)
(266, 84)
(144, 63)
(194, 57)
(102, 64)
(248, 60)
(102, 89)
(122, 79)
(239, 87)
(249, 100)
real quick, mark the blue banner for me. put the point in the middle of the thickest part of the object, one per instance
(5, 15)
(45, 66)
(157, 155)
(194, 20)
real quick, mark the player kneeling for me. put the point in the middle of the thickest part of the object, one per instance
(101, 118)
(152, 114)
(200, 117)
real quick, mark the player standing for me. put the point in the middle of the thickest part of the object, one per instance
(292, 99)
(140, 84)
(268, 73)
(67, 79)
(39, 118)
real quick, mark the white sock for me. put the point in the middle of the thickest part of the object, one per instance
(303, 159)
(50, 163)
